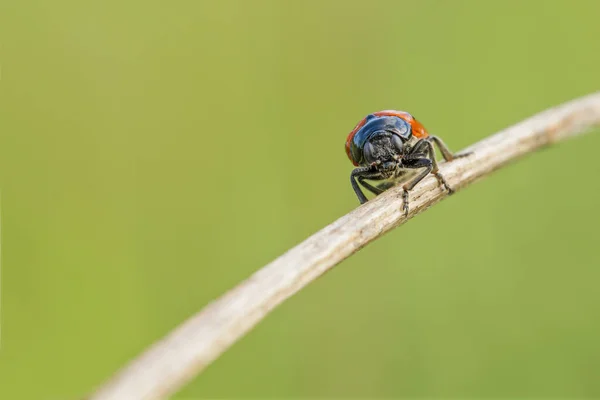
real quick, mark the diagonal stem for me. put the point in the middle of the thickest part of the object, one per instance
(173, 361)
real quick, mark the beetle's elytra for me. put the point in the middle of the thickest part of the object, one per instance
(392, 146)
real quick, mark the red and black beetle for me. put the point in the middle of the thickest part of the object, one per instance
(393, 146)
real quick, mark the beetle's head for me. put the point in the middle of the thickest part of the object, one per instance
(378, 140)
(383, 148)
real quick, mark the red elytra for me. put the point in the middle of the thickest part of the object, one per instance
(418, 130)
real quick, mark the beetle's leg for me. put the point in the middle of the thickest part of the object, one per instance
(385, 185)
(419, 150)
(356, 172)
(362, 173)
(446, 153)
(408, 186)
(402, 176)
(368, 186)
(425, 144)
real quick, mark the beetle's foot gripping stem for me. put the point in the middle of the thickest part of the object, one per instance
(405, 202)
(462, 155)
(443, 182)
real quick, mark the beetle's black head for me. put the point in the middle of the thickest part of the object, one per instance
(383, 148)
(379, 141)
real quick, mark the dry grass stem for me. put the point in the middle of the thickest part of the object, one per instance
(173, 361)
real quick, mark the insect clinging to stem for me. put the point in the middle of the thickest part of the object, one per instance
(392, 146)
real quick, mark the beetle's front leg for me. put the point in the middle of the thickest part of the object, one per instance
(407, 187)
(426, 146)
(357, 172)
(360, 174)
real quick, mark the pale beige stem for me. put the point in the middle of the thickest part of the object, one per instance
(173, 361)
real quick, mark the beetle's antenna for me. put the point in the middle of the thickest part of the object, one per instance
(169, 364)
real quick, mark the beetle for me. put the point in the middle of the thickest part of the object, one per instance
(392, 146)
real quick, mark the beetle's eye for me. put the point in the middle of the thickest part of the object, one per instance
(368, 152)
(397, 143)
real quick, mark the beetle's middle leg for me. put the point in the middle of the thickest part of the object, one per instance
(446, 152)
(383, 186)
(401, 176)
(377, 190)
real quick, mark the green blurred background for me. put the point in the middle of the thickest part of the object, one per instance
(154, 154)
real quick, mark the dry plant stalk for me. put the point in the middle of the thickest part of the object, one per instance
(173, 361)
